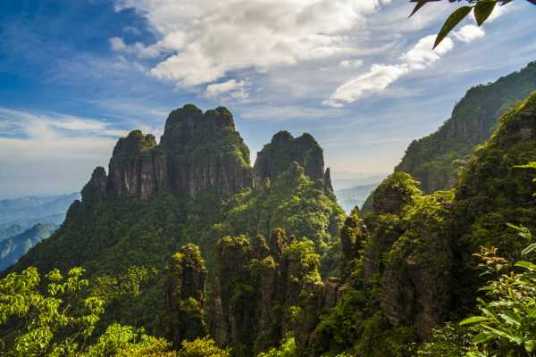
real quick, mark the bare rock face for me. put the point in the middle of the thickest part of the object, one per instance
(275, 158)
(136, 169)
(95, 189)
(205, 152)
(417, 280)
(199, 152)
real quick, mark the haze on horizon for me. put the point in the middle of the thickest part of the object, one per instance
(357, 74)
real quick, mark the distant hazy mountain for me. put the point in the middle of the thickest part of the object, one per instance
(9, 230)
(354, 196)
(11, 249)
(26, 212)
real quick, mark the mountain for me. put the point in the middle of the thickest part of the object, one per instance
(29, 211)
(9, 230)
(11, 249)
(410, 266)
(186, 239)
(352, 197)
(435, 159)
(133, 228)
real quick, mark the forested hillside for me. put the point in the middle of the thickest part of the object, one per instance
(214, 257)
(435, 159)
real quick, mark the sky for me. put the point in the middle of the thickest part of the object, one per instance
(359, 75)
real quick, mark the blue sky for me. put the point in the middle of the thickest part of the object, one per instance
(357, 74)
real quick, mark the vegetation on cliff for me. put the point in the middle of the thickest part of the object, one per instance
(435, 159)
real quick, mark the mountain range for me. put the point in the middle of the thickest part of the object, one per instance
(187, 239)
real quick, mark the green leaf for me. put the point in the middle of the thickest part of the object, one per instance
(527, 265)
(504, 334)
(529, 249)
(473, 320)
(417, 7)
(483, 338)
(530, 345)
(453, 20)
(511, 320)
(483, 9)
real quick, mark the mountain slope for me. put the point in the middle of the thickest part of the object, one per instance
(412, 259)
(433, 160)
(196, 186)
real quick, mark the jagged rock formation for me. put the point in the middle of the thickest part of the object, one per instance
(267, 290)
(199, 152)
(434, 160)
(205, 152)
(353, 236)
(275, 158)
(185, 285)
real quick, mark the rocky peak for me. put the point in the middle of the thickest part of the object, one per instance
(136, 169)
(189, 126)
(205, 152)
(277, 156)
(95, 189)
(198, 152)
(395, 192)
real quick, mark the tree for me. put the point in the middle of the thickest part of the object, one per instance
(60, 318)
(481, 9)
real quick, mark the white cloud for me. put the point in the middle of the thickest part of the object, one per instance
(351, 63)
(117, 44)
(204, 40)
(375, 80)
(422, 55)
(51, 153)
(379, 77)
(469, 33)
(234, 88)
(54, 125)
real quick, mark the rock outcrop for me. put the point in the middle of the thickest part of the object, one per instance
(199, 152)
(276, 157)
(269, 289)
(185, 285)
(205, 152)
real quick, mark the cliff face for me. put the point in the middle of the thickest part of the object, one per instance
(185, 285)
(199, 152)
(267, 290)
(434, 160)
(276, 157)
(205, 152)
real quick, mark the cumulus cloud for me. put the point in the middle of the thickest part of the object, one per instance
(351, 63)
(469, 33)
(233, 88)
(201, 41)
(375, 80)
(379, 77)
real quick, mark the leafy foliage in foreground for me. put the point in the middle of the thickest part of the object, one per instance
(63, 320)
(481, 9)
